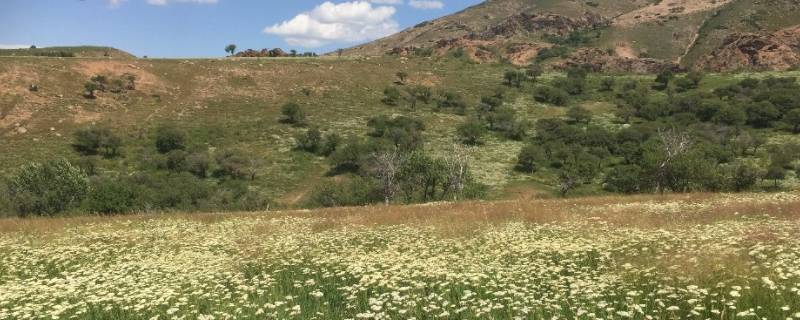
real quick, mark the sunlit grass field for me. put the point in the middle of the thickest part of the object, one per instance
(698, 256)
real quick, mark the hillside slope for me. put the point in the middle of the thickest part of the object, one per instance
(68, 52)
(683, 32)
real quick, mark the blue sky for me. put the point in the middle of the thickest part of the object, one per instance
(202, 28)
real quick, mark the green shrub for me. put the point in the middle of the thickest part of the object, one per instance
(528, 158)
(110, 196)
(624, 179)
(232, 164)
(310, 141)
(198, 164)
(579, 114)
(46, 189)
(471, 132)
(330, 143)
(176, 161)
(169, 138)
(391, 96)
(551, 95)
(293, 114)
(168, 190)
(358, 191)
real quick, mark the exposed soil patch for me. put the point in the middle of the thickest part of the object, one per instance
(144, 79)
(666, 9)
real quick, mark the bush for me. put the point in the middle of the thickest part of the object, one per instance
(110, 196)
(176, 161)
(551, 95)
(528, 158)
(232, 164)
(47, 189)
(471, 132)
(198, 164)
(579, 114)
(391, 96)
(330, 143)
(359, 191)
(293, 114)
(625, 179)
(169, 138)
(744, 177)
(167, 190)
(310, 141)
(93, 140)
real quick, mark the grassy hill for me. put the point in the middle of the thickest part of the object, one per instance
(68, 52)
(678, 31)
(235, 105)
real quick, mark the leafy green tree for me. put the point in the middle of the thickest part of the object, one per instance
(330, 143)
(231, 49)
(452, 101)
(792, 118)
(176, 161)
(625, 179)
(528, 158)
(93, 140)
(169, 138)
(775, 173)
(293, 114)
(91, 88)
(579, 114)
(663, 79)
(534, 71)
(111, 196)
(471, 132)
(731, 115)
(607, 84)
(744, 176)
(310, 141)
(514, 78)
(45, 189)
(762, 114)
(551, 95)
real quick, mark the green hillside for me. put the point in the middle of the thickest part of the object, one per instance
(68, 52)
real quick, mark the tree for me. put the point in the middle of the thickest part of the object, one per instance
(293, 114)
(775, 173)
(534, 71)
(792, 118)
(731, 115)
(46, 189)
(169, 138)
(579, 114)
(528, 156)
(514, 78)
(663, 79)
(762, 114)
(744, 176)
(232, 164)
(385, 167)
(471, 132)
(330, 143)
(93, 140)
(607, 84)
(551, 95)
(198, 164)
(402, 75)
(311, 141)
(419, 93)
(673, 144)
(111, 196)
(624, 179)
(231, 48)
(91, 88)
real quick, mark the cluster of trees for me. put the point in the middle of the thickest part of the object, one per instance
(101, 83)
(681, 140)
(389, 165)
(174, 175)
(272, 53)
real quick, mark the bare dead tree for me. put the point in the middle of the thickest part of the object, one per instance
(457, 162)
(386, 165)
(674, 144)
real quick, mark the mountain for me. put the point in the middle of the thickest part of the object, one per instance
(619, 35)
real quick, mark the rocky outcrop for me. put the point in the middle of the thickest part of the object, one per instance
(545, 24)
(751, 51)
(598, 60)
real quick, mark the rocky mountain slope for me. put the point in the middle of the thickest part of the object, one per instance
(614, 35)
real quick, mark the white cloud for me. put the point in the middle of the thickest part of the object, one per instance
(392, 2)
(355, 21)
(426, 4)
(14, 46)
